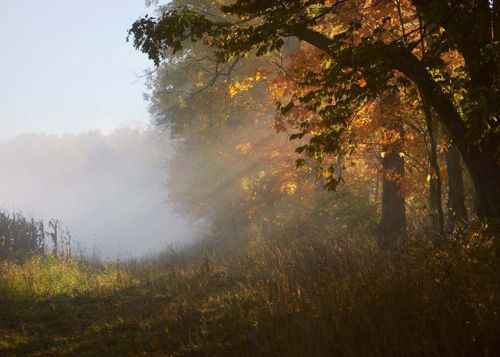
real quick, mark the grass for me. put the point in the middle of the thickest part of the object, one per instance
(288, 297)
(46, 277)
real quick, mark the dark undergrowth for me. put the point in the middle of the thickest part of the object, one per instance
(293, 297)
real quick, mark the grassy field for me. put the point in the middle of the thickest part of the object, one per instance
(278, 298)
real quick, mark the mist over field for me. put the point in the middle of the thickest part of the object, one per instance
(108, 190)
(317, 178)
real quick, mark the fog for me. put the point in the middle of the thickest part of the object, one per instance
(108, 190)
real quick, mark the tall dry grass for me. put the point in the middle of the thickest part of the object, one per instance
(291, 296)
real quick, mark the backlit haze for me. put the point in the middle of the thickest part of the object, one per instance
(73, 122)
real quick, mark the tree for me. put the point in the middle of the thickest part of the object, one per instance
(392, 225)
(230, 167)
(456, 198)
(374, 42)
(435, 183)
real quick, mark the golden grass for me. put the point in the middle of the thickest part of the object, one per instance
(282, 297)
(44, 277)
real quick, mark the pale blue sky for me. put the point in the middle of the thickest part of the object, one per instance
(65, 66)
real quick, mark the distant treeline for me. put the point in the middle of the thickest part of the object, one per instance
(22, 237)
(108, 189)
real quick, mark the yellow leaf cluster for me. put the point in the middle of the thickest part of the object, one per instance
(244, 85)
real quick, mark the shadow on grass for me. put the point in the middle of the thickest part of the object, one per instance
(293, 299)
(134, 320)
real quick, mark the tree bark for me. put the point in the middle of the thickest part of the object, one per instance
(435, 182)
(496, 20)
(456, 196)
(496, 30)
(392, 226)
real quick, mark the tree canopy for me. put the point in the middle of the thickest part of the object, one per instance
(369, 48)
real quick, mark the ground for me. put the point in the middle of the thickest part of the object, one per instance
(293, 298)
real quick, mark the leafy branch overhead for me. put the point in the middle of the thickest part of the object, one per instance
(369, 48)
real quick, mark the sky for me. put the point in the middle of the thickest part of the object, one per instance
(65, 66)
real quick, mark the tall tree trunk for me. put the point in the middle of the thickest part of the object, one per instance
(392, 226)
(456, 196)
(475, 201)
(480, 159)
(435, 182)
(485, 173)
(496, 30)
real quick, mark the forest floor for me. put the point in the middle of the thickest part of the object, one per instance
(294, 298)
